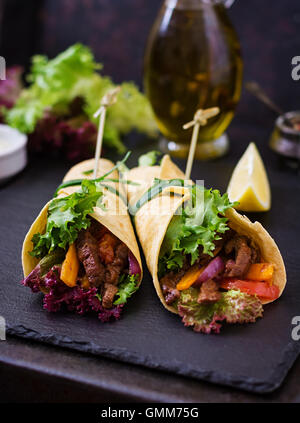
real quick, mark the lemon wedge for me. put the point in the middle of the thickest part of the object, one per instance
(249, 184)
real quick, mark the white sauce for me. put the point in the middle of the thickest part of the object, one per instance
(5, 145)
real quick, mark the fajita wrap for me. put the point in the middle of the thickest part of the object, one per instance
(81, 251)
(211, 266)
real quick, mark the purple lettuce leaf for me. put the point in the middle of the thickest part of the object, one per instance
(34, 280)
(11, 87)
(73, 137)
(59, 295)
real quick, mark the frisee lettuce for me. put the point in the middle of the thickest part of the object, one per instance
(233, 307)
(127, 286)
(201, 222)
(66, 217)
(55, 83)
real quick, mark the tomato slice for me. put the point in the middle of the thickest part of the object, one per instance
(261, 289)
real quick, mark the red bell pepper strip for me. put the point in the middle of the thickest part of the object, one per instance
(261, 289)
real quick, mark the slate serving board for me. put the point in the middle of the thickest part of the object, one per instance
(254, 357)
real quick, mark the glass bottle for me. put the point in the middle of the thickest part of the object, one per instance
(193, 61)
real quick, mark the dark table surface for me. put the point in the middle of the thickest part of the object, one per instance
(34, 372)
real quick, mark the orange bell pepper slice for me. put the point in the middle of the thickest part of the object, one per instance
(70, 267)
(260, 272)
(189, 278)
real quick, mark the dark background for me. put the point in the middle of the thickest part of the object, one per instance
(117, 31)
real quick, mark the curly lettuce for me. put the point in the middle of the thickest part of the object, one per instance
(233, 307)
(66, 217)
(127, 287)
(201, 223)
(55, 83)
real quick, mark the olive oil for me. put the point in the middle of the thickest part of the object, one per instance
(192, 61)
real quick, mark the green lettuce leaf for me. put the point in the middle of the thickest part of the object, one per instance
(127, 286)
(66, 217)
(201, 223)
(234, 307)
(74, 73)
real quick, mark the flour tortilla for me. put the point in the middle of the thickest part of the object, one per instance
(115, 218)
(153, 218)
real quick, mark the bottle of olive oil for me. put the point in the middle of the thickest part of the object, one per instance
(193, 61)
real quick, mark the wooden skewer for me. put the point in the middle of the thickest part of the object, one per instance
(200, 119)
(109, 99)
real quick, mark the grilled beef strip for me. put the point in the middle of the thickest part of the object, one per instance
(168, 284)
(112, 274)
(103, 257)
(204, 259)
(243, 257)
(209, 292)
(108, 294)
(115, 256)
(119, 263)
(87, 250)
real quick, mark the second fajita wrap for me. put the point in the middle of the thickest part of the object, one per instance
(209, 264)
(81, 251)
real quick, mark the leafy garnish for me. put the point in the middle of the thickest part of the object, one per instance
(54, 84)
(201, 223)
(127, 286)
(233, 307)
(66, 217)
(149, 159)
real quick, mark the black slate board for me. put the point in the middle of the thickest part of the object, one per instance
(254, 357)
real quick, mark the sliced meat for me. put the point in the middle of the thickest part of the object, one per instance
(204, 259)
(107, 245)
(209, 292)
(243, 257)
(108, 295)
(119, 264)
(168, 284)
(87, 250)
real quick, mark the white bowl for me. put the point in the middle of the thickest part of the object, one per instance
(13, 152)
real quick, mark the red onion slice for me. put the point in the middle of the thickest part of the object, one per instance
(134, 267)
(212, 270)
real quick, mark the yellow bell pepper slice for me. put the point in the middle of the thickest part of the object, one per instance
(70, 267)
(189, 278)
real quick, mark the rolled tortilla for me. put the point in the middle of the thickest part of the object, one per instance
(153, 218)
(115, 217)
